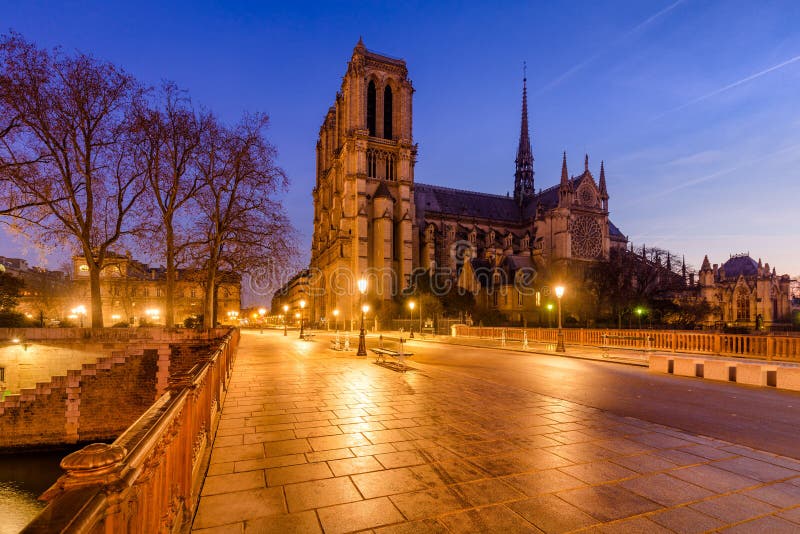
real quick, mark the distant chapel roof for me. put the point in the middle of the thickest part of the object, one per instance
(741, 264)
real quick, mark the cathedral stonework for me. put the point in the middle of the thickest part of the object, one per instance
(372, 219)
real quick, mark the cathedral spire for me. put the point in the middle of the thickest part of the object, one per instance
(523, 177)
(586, 163)
(603, 190)
(565, 188)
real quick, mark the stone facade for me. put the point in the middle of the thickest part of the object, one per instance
(133, 292)
(372, 219)
(745, 292)
(363, 197)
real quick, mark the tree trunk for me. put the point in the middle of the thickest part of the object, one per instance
(208, 297)
(169, 315)
(96, 297)
(216, 303)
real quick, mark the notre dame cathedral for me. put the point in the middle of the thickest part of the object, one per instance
(371, 218)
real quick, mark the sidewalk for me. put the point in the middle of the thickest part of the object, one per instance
(313, 440)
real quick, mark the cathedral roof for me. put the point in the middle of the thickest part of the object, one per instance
(740, 265)
(472, 204)
(613, 231)
(432, 198)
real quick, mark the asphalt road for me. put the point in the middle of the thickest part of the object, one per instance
(762, 418)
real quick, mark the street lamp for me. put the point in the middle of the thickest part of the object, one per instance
(80, 312)
(560, 337)
(411, 305)
(336, 318)
(362, 337)
(262, 312)
(285, 316)
(302, 312)
(639, 312)
(549, 315)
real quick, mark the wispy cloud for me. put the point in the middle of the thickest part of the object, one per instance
(636, 29)
(708, 177)
(729, 86)
(698, 158)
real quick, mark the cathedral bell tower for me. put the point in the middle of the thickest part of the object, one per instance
(363, 198)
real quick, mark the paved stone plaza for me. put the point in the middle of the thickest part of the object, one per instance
(313, 440)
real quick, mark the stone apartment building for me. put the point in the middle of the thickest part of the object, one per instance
(373, 219)
(134, 293)
(46, 294)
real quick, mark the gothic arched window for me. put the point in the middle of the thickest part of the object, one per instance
(371, 99)
(742, 305)
(387, 113)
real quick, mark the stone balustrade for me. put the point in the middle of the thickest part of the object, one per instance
(768, 347)
(149, 478)
(155, 334)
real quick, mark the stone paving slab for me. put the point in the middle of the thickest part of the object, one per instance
(313, 440)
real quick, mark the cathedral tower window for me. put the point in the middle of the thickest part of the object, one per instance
(372, 164)
(381, 165)
(371, 100)
(387, 113)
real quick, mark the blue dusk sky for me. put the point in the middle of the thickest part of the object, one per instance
(693, 105)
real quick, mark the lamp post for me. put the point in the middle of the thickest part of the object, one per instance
(411, 305)
(285, 317)
(362, 337)
(336, 318)
(262, 312)
(549, 315)
(80, 311)
(560, 337)
(639, 312)
(302, 313)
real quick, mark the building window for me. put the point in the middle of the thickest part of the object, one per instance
(371, 108)
(495, 297)
(159, 292)
(381, 165)
(2, 375)
(372, 164)
(387, 113)
(742, 305)
(538, 298)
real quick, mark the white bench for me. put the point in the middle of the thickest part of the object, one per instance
(399, 357)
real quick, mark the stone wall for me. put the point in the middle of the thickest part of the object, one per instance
(96, 402)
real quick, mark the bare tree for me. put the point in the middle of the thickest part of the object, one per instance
(82, 182)
(168, 138)
(242, 221)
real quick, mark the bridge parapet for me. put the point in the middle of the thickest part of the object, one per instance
(148, 479)
(768, 347)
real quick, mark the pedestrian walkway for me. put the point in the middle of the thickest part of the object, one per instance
(313, 440)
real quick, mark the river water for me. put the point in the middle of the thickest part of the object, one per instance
(23, 477)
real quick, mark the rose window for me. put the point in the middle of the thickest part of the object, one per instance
(587, 238)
